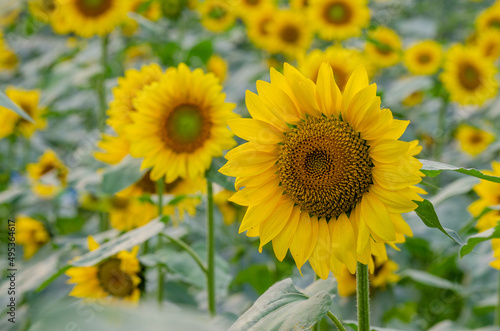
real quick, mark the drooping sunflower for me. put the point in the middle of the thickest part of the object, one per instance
(48, 176)
(290, 34)
(117, 277)
(27, 101)
(489, 196)
(31, 234)
(218, 66)
(323, 173)
(180, 124)
(489, 19)
(488, 43)
(217, 15)
(472, 140)
(338, 19)
(385, 47)
(230, 211)
(424, 58)
(258, 26)
(342, 61)
(468, 76)
(88, 18)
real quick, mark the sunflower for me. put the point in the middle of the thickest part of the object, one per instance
(31, 234)
(468, 76)
(299, 5)
(289, 33)
(127, 213)
(217, 66)
(489, 195)
(230, 211)
(180, 124)
(88, 18)
(413, 99)
(258, 26)
(116, 277)
(113, 149)
(423, 58)
(138, 53)
(472, 140)
(488, 43)
(42, 9)
(217, 15)
(48, 176)
(27, 101)
(489, 19)
(323, 173)
(246, 7)
(384, 47)
(343, 62)
(338, 19)
(8, 59)
(129, 86)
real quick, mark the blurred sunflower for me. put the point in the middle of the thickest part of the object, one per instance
(343, 62)
(31, 234)
(468, 76)
(218, 66)
(489, 196)
(116, 277)
(27, 101)
(217, 15)
(230, 211)
(472, 140)
(495, 244)
(424, 58)
(384, 48)
(127, 213)
(88, 18)
(299, 5)
(258, 26)
(8, 59)
(323, 173)
(338, 19)
(138, 53)
(180, 124)
(489, 19)
(488, 43)
(413, 99)
(114, 149)
(48, 176)
(42, 9)
(290, 34)
(246, 7)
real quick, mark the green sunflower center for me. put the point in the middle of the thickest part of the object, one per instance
(324, 166)
(93, 8)
(337, 13)
(187, 128)
(217, 12)
(290, 34)
(114, 280)
(469, 76)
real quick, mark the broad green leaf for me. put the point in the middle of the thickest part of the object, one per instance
(472, 241)
(122, 175)
(67, 225)
(7, 103)
(427, 214)
(434, 168)
(258, 276)
(426, 278)
(215, 176)
(282, 308)
(202, 50)
(123, 242)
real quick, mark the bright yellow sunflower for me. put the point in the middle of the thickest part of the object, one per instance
(424, 58)
(343, 62)
(88, 18)
(384, 48)
(338, 19)
(488, 43)
(258, 27)
(218, 66)
(472, 140)
(290, 34)
(42, 9)
(489, 19)
(413, 99)
(323, 173)
(31, 234)
(180, 124)
(48, 176)
(116, 277)
(114, 149)
(127, 213)
(27, 101)
(489, 195)
(247, 7)
(217, 15)
(230, 211)
(468, 76)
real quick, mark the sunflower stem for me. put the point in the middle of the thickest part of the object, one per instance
(160, 184)
(103, 221)
(210, 250)
(101, 92)
(188, 250)
(497, 308)
(363, 297)
(336, 321)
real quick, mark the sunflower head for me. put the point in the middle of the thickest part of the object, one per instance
(258, 24)
(129, 212)
(489, 19)
(217, 15)
(42, 9)
(384, 47)
(290, 33)
(489, 195)
(488, 43)
(472, 140)
(423, 58)
(31, 234)
(218, 66)
(48, 176)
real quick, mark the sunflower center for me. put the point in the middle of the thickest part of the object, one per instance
(119, 202)
(424, 58)
(290, 34)
(264, 26)
(252, 2)
(114, 280)
(47, 168)
(93, 8)
(217, 12)
(383, 48)
(494, 23)
(187, 127)
(469, 76)
(324, 166)
(337, 13)
(476, 138)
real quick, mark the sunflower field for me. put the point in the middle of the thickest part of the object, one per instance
(262, 165)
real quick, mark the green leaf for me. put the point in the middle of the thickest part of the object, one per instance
(122, 175)
(427, 214)
(282, 308)
(258, 276)
(202, 50)
(67, 225)
(215, 176)
(434, 168)
(9, 104)
(123, 242)
(428, 279)
(472, 241)
(52, 278)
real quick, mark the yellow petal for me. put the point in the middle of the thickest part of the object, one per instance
(343, 241)
(282, 241)
(376, 217)
(357, 82)
(273, 225)
(320, 258)
(327, 91)
(255, 130)
(305, 239)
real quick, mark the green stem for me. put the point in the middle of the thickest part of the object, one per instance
(210, 250)
(160, 184)
(103, 222)
(336, 321)
(101, 91)
(363, 297)
(188, 250)
(497, 308)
